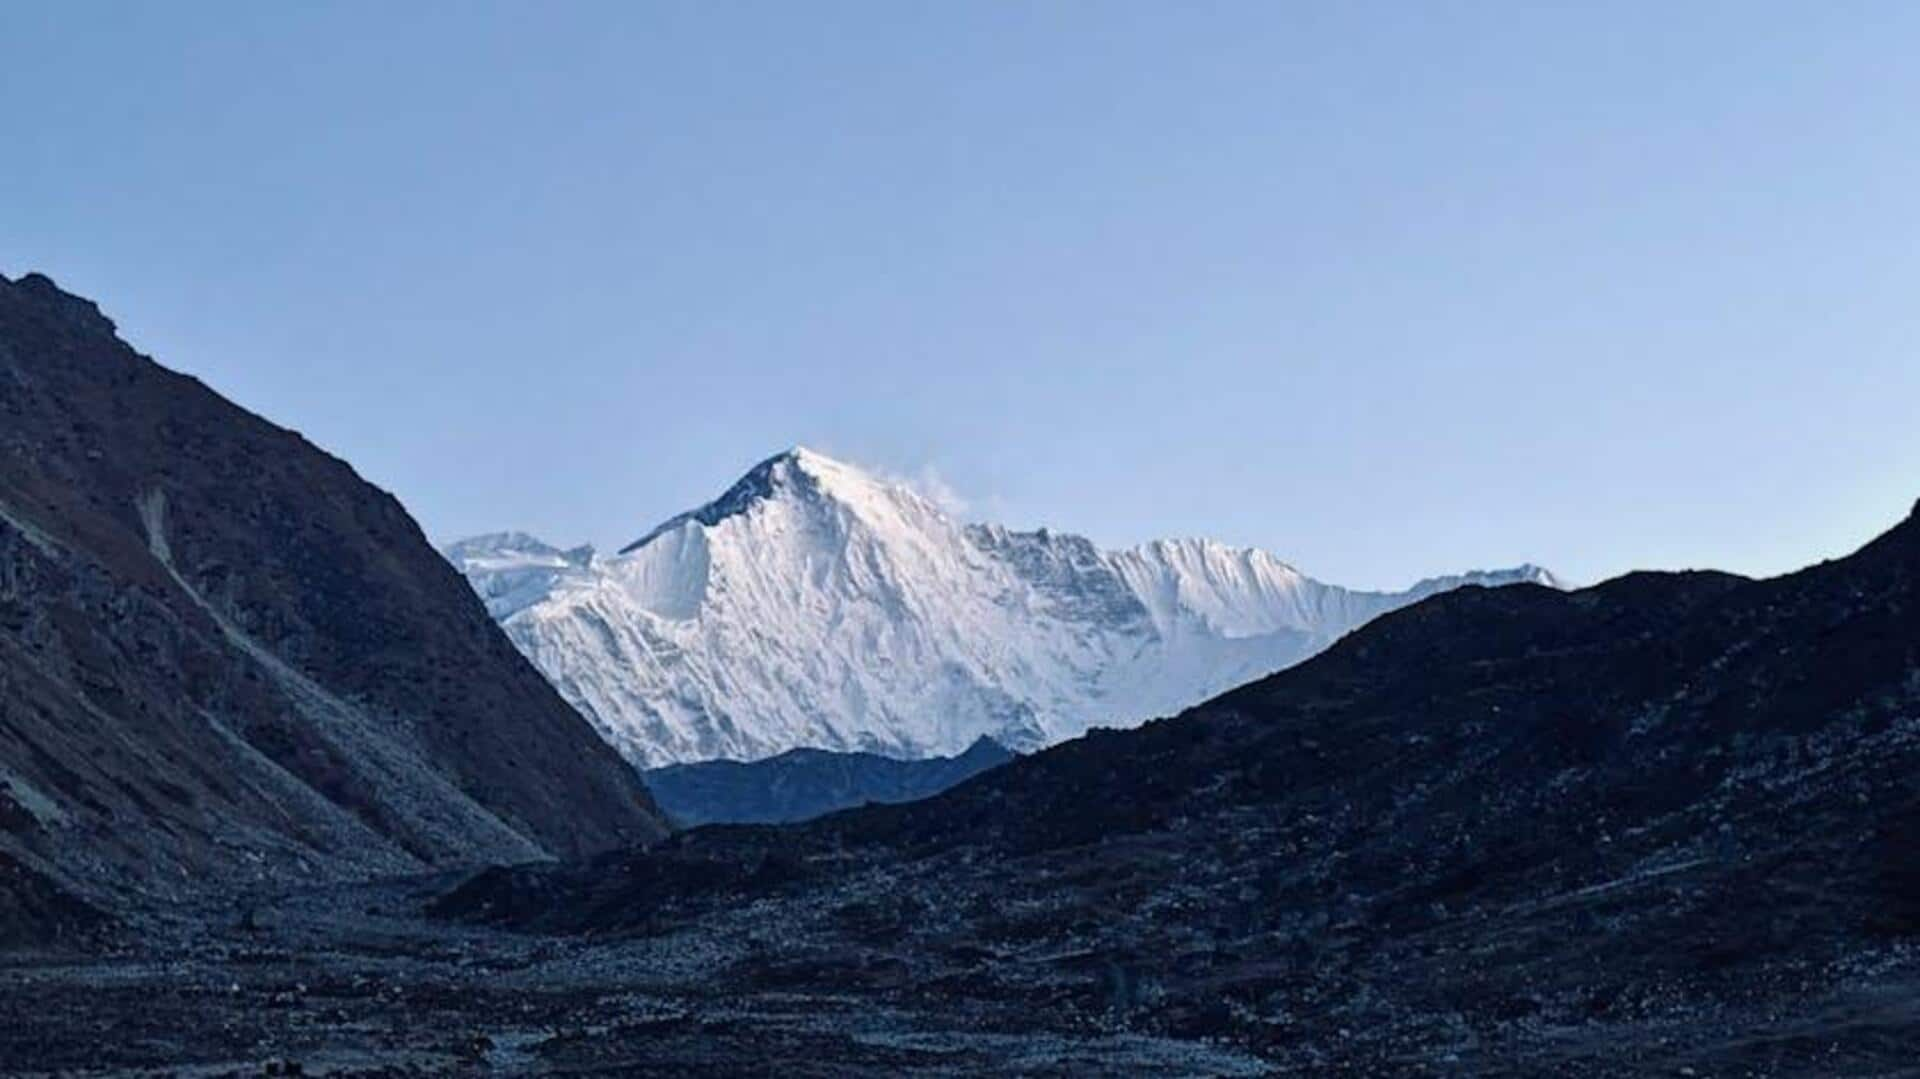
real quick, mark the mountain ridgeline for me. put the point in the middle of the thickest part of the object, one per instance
(804, 783)
(226, 659)
(1668, 824)
(813, 605)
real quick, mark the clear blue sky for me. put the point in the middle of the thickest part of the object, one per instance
(1390, 289)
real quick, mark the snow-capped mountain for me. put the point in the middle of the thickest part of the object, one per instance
(815, 605)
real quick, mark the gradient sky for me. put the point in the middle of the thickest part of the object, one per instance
(1390, 289)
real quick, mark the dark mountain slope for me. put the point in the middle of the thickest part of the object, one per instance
(804, 783)
(224, 656)
(1669, 821)
(36, 912)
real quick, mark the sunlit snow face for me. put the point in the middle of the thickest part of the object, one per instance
(814, 604)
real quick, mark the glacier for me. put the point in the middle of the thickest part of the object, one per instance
(816, 605)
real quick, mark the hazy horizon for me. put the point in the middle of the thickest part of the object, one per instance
(1389, 293)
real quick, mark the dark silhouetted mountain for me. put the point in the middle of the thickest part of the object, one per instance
(224, 657)
(804, 783)
(1670, 821)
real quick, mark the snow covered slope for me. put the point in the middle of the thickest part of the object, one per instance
(814, 605)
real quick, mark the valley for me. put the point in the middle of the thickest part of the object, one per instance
(1667, 824)
(859, 540)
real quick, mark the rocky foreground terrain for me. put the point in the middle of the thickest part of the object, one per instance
(860, 977)
(1667, 825)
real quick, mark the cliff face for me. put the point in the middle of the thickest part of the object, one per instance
(224, 656)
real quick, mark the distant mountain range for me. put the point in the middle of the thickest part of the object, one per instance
(226, 659)
(804, 783)
(814, 605)
(1665, 825)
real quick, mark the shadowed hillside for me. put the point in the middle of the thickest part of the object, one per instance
(1632, 827)
(225, 658)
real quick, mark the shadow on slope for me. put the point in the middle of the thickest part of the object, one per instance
(226, 659)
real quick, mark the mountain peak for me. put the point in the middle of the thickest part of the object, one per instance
(501, 549)
(824, 470)
(801, 471)
(499, 541)
(1538, 574)
(817, 604)
(83, 314)
(808, 457)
